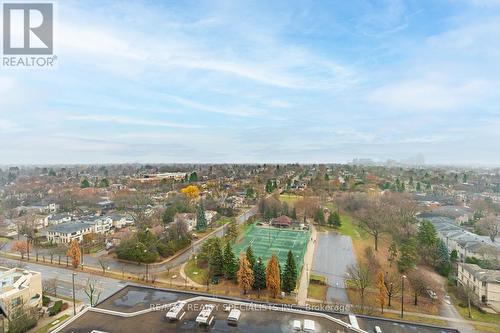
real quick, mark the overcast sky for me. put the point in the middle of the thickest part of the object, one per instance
(260, 81)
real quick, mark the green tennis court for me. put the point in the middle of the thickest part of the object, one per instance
(265, 241)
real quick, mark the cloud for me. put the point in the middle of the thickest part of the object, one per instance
(429, 94)
(7, 126)
(121, 120)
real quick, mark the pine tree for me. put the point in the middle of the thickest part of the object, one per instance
(319, 216)
(442, 264)
(259, 274)
(408, 256)
(230, 263)
(289, 274)
(216, 261)
(85, 184)
(334, 220)
(245, 275)
(273, 278)
(201, 220)
(250, 256)
(294, 214)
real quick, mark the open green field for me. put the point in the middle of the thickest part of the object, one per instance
(265, 241)
(290, 199)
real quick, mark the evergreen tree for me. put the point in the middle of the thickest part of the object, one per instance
(201, 220)
(419, 187)
(269, 186)
(294, 214)
(334, 220)
(245, 275)
(319, 216)
(216, 261)
(289, 278)
(230, 262)
(259, 274)
(442, 264)
(193, 177)
(232, 232)
(250, 255)
(427, 240)
(408, 257)
(85, 183)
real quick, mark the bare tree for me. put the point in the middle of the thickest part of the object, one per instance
(103, 263)
(374, 218)
(359, 276)
(50, 286)
(392, 285)
(93, 291)
(419, 283)
(490, 224)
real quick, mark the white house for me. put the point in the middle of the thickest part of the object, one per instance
(66, 232)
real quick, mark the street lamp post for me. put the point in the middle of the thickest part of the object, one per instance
(403, 277)
(27, 245)
(74, 303)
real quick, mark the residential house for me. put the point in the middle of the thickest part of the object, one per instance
(121, 220)
(484, 284)
(66, 232)
(188, 218)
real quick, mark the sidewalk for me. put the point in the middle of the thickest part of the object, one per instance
(308, 261)
(185, 277)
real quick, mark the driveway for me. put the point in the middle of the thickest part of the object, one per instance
(334, 253)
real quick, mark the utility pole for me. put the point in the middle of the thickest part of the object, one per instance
(74, 302)
(403, 277)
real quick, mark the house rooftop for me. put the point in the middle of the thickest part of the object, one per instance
(486, 275)
(70, 227)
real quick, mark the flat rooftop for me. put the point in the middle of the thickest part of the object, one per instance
(130, 310)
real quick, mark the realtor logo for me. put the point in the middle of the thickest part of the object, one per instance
(28, 35)
(28, 28)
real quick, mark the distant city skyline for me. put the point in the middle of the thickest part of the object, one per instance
(260, 82)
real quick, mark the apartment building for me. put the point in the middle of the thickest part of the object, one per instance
(19, 288)
(484, 284)
(66, 232)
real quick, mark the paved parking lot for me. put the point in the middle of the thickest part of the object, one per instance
(334, 253)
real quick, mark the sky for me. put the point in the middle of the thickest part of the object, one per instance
(260, 81)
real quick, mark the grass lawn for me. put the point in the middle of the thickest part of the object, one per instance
(488, 329)
(415, 319)
(224, 220)
(348, 226)
(51, 325)
(317, 287)
(195, 273)
(290, 199)
(476, 314)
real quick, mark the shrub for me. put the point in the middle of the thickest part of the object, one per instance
(56, 308)
(65, 306)
(45, 300)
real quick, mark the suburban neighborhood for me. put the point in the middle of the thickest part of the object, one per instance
(218, 166)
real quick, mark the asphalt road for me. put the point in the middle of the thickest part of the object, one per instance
(334, 253)
(106, 285)
(138, 269)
